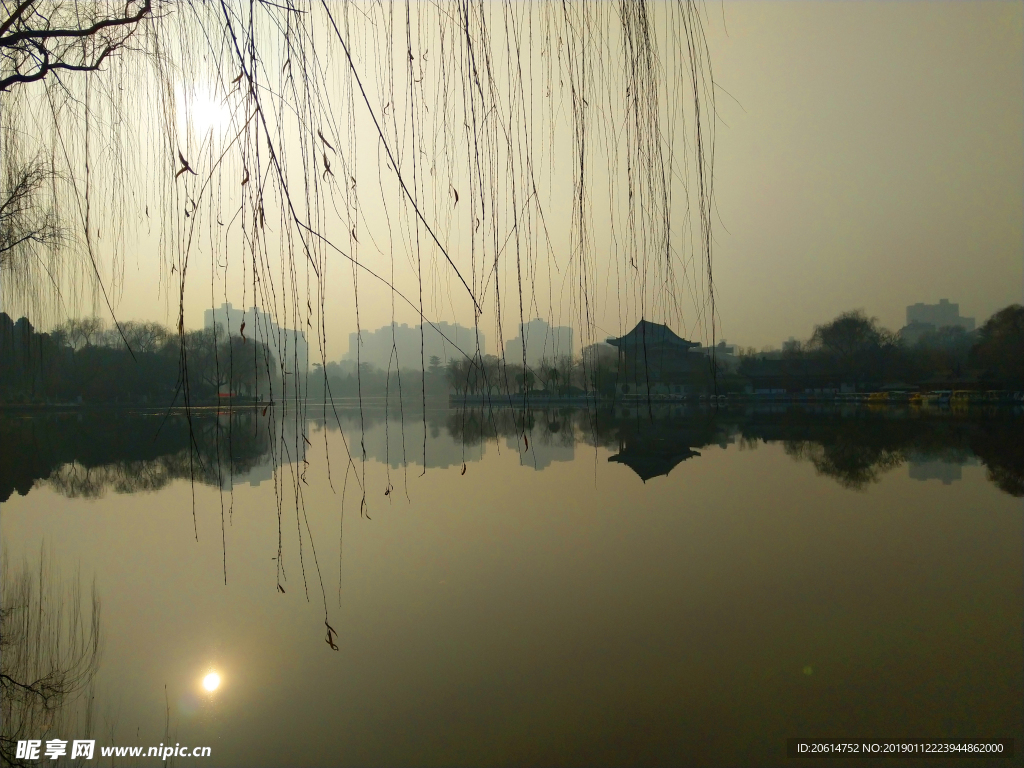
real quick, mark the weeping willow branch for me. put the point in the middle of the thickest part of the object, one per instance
(49, 653)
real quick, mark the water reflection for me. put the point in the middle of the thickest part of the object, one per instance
(88, 455)
(569, 616)
(49, 654)
(395, 438)
(947, 466)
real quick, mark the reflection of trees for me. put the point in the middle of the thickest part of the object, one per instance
(88, 455)
(49, 654)
(853, 446)
(856, 448)
(998, 444)
(473, 426)
(548, 426)
(130, 453)
(849, 464)
(74, 480)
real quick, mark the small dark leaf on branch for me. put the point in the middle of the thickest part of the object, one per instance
(331, 632)
(184, 166)
(325, 141)
(280, 589)
(463, 467)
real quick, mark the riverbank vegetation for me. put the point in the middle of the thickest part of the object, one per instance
(141, 363)
(85, 361)
(854, 352)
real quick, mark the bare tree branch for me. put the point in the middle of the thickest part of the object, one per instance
(40, 34)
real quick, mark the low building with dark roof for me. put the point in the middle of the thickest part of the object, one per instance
(652, 357)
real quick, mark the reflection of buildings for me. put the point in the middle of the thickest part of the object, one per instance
(261, 473)
(278, 445)
(542, 342)
(653, 458)
(441, 340)
(287, 345)
(396, 440)
(947, 469)
(653, 440)
(545, 449)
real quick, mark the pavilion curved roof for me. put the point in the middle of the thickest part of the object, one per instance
(652, 334)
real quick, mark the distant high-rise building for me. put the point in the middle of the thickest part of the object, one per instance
(444, 341)
(541, 340)
(288, 346)
(939, 315)
(600, 353)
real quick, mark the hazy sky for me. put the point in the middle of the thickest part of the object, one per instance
(869, 155)
(875, 158)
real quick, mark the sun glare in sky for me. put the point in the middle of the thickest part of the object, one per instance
(203, 112)
(211, 682)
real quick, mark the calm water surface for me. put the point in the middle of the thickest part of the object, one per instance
(692, 590)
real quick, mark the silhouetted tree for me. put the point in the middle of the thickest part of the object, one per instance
(856, 345)
(1000, 347)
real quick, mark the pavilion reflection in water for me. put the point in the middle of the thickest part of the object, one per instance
(655, 439)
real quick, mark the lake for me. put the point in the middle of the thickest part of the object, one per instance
(647, 585)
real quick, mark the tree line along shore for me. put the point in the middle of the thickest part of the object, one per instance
(144, 363)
